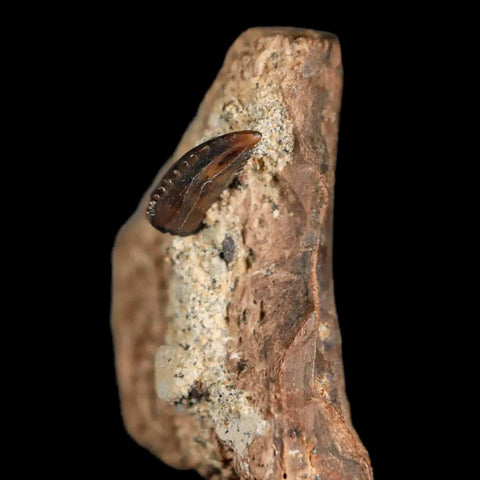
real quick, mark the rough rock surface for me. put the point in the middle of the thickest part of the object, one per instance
(227, 344)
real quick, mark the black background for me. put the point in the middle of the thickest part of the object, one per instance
(127, 85)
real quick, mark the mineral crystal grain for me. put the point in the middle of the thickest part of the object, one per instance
(227, 345)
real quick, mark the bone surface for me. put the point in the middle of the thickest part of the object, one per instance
(227, 345)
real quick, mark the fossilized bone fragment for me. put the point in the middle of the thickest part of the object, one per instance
(227, 344)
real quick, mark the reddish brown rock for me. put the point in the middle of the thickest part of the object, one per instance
(227, 344)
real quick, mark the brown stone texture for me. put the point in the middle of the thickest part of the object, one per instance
(227, 346)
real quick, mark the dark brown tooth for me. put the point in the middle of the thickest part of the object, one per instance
(208, 169)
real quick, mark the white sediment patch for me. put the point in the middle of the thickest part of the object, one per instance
(195, 351)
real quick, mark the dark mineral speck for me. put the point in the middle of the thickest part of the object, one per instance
(242, 365)
(198, 392)
(228, 249)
